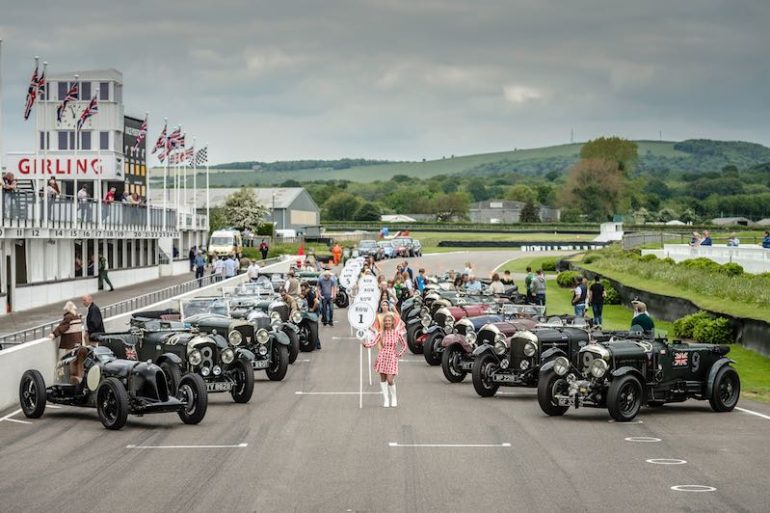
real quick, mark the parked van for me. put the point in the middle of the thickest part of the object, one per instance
(226, 242)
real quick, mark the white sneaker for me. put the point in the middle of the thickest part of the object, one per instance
(384, 388)
(393, 399)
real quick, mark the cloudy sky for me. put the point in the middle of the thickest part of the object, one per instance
(407, 79)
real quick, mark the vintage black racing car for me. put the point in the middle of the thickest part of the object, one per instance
(93, 377)
(623, 375)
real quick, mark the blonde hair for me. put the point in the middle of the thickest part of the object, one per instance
(70, 307)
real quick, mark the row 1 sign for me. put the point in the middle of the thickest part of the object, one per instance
(89, 165)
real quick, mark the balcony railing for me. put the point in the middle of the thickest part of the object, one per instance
(24, 210)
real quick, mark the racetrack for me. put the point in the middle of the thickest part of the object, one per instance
(304, 445)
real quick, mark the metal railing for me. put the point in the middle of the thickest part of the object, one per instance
(121, 307)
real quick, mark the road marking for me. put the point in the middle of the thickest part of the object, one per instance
(234, 446)
(344, 338)
(54, 406)
(752, 412)
(19, 421)
(396, 444)
(621, 423)
(334, 393)
(666, 461)
(411, 361)
(693, 488)
(8, 417)
(643, 439)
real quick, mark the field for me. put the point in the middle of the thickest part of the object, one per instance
(449, 165)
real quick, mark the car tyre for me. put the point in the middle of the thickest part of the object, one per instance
(192, 390)
(341, 300)
(112, 403)
(280, 363)
(173, 376)
(480, 372)
(308, 337)
(243, 375)
(32, 394)
(726, 390)
(411, 339)
(546, 387)
(293, 344)
(431, 347)
(449, 364)
(624, 398)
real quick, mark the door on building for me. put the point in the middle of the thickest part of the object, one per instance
(8, 285)
(21, 262)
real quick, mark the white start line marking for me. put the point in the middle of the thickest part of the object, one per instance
(612, 421)
(666, 461)
(234, 446)
(335, 393)
(396, 444)
(693, 488)
(642, 439)
(8, 417)
(751, 412)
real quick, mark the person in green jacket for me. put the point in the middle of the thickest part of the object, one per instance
(641, 317)
(103, 278)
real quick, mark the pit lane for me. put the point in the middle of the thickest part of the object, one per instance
(454, 451)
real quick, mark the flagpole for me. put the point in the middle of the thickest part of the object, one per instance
(36, 217)
(195, 188)
(75, 196)
(176, 189)
(184, 179)
(44, 106)
(102, 206)
(165, 176)
(146, 170)
(208, 199)
(2, 160)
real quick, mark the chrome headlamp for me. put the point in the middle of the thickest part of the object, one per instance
(205, 371)
(235, 337)
(263, 336)
(262, 350)
(500, 344)
(296, 317)
(530, 349)
(425, 320)
(228, 356)
(449, 322)
(275, 316)
(194, 357)
(598, 368)
(217, 370)
(561, 366)
(470, 337)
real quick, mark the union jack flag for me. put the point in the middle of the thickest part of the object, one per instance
(34, 85)
(91, 109)
(72, 96)
(202, 157)
(142, 134)
(42, 83)
(161, 142)
(680, 359)
(175, 140)
(131, 353)
(162, 156)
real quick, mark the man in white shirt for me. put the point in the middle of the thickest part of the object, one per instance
(230, 267)
(292, 284)
(473, 285)
(219, 269)
(253, 271)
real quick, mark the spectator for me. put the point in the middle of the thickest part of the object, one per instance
(539, 287)
(528, 284)
(734, 241)
(496, 286)
(458, 283)
(766, 240)
(9, 194)
(253, 271)
(596, 296)
(200, 266)
(191, 257)
(52, 192)
(219, 269)
(231, 267)
(579, 298)
(135, 199)
(473, 286)
(83, 206)
(70, 329)
(103, 278)
(263, 249)
(312, 307)
(641, 317)
(408, 270)
(94, 321)
(337, 253)
(292, 284)
(91, 270)
(695, 240)
(387, 340)
(507, 279)
(421, 280)
(174, 252)
(468, 269)
(706, 239)
(407, 287)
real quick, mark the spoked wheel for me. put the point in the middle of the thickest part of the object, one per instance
(306, 336)
(32, 394)
(450, 364)
(726, 390)
(293, 344)
(192, 392)
(279, 363)
(243, 375)
(411, 339)
(173, 376)
(112, 403)
(482, 371)
(624, 398)
(432, 348)
(548, 386)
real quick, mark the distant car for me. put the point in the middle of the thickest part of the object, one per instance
(368, 248)
(416, 248)
(225, 243)
(404, 246)
(388, 250)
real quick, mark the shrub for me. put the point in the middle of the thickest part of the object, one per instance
(731, 269)
(611, 296)
(548, 265)
(648, 258)
(685, 326)
(567, 279)
(669, 261)
(702, 264)
(714, 331)
(265, 229)
(591, 257)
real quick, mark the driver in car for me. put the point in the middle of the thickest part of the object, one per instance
(290, 301)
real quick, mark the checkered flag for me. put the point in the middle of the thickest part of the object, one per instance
(201, 157)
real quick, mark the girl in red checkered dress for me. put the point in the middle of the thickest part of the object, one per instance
(387, 339)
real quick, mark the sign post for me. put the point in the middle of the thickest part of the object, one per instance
(361, 317)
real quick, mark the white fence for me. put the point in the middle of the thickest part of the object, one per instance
(753, 259)
(568, 247)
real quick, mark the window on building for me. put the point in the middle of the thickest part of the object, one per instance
(85, 140)
(85, 90)
(62, 90)
(104, 140)
(104, 91)
(63, 140)
(45, 140)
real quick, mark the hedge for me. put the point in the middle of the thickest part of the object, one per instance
(704, 328)
(567, 279)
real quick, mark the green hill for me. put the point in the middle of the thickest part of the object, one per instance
(664, 156)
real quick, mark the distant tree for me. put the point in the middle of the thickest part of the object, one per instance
(290, 183)
(402, 178)
(551, 175)
(621, 151)
(450, 206)
(530, 213)
(688, 216)
(595, 188)
(242, 211)
(665, 215)
(217, 219)
(521, 192)
(546, 195)
(449, 185)
(368, 211)
(342, 206)
(730, 171)
(477, 188)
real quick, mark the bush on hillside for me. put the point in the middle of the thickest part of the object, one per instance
(548, 265)
(591, 257)
(684, 326)
(701, 263)
(714, 331)
(648, 258)
(567, 279)
(669, 261)
(611, 296)
(731, 269)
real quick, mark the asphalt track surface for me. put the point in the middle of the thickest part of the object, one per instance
(304, 445)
